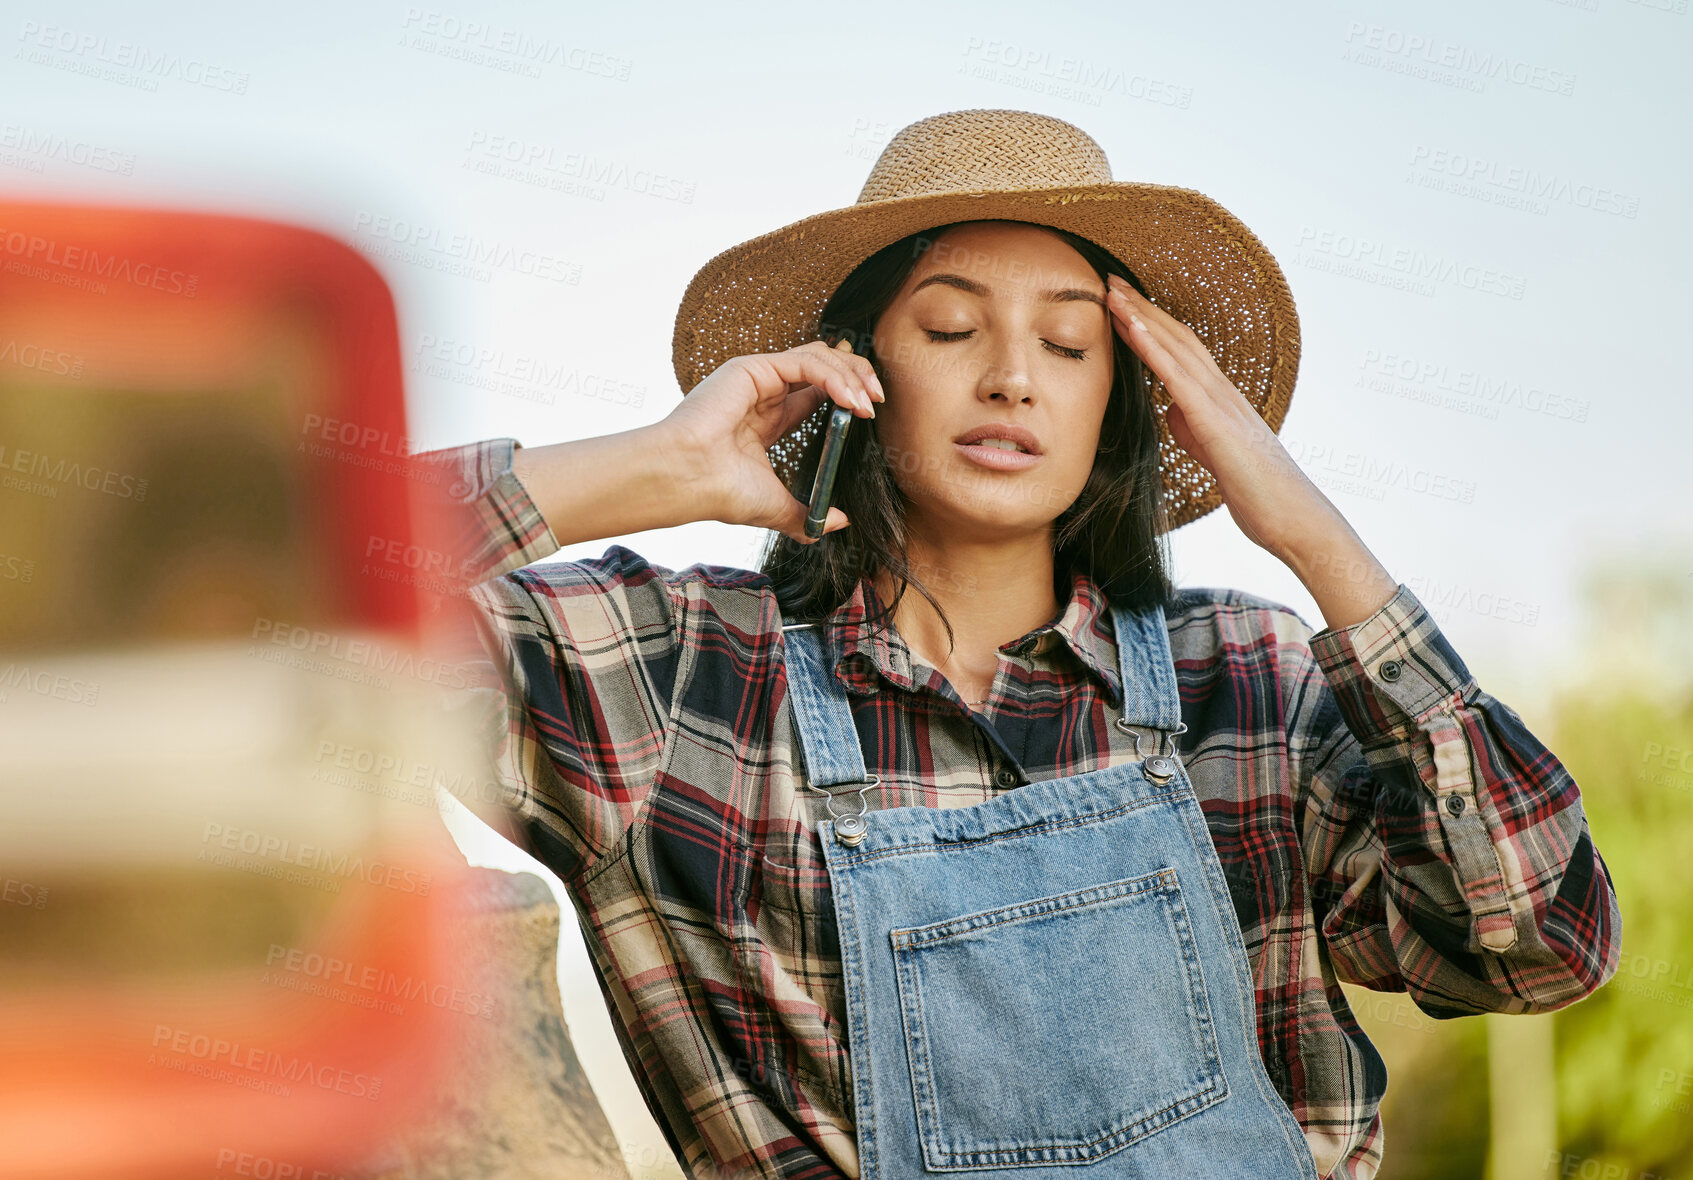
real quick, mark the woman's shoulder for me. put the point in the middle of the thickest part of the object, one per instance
(743, 596)
(1228, 608)
(621, 564)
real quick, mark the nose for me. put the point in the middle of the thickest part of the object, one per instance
(1007, 376)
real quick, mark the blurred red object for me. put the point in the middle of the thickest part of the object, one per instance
(202, 442)
(265, 357)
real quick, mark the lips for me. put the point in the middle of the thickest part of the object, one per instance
(991, 433)
(999, 447)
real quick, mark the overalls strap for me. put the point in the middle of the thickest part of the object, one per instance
(822, 715)
(1144, 666)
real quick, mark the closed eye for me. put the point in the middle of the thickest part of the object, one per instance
(943, 337)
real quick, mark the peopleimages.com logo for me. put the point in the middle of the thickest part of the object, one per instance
(199, 1053)
(312, 857)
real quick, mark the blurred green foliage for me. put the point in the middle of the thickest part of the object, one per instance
(1625, 1054)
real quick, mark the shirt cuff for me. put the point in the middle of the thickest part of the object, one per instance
(490, 523)
(1391, 670)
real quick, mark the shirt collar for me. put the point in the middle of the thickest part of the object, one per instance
(862, 655)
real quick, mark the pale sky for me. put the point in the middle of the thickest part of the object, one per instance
(1557, 398)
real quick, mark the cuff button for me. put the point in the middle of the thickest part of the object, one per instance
(1389, 670)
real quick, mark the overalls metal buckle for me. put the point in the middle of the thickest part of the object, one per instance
(1160, 768)
(849, 828)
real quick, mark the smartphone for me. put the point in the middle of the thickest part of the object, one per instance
(834, 442)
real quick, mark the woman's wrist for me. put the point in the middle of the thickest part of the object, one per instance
(688, 472)
(1341, 574)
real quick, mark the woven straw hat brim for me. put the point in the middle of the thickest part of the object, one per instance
(1195, 259)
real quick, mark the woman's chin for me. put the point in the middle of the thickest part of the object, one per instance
(982, 517)
(956, 499)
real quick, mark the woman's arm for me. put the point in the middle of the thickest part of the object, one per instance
(1447, 849)
(1446, 846)
(707, 460)
(579, 658)
(640, 479)
(572, 663)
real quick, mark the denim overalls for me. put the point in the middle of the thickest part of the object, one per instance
(1053, 978)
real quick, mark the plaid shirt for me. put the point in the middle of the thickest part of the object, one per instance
(1399, 829)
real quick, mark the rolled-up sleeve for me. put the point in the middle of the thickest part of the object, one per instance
(1447, 847)
(575, 661)
(481, 514)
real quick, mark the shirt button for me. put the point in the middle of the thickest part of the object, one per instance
(1389, 670)
(1007, 778)
(1455, 804)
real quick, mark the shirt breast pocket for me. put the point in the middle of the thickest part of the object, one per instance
(794, 962)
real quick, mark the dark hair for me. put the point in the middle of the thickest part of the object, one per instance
(1111, 531)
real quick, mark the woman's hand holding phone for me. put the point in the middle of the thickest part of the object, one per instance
(725, 425)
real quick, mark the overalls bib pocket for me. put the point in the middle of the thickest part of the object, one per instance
(1019, 1055)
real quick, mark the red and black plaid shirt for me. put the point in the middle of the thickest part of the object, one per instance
(1404, 835)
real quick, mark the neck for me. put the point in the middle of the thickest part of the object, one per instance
(992, 592)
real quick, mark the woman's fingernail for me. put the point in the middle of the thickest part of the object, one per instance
(1135, 320)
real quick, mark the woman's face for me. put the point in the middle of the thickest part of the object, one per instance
(999, 326)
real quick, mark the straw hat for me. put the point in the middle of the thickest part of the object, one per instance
(1195, 259)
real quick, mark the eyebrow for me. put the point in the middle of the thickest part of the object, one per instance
(1058, 295)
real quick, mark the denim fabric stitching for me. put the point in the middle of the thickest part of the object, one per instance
(1162, 885)
(919, 936)
(863, 1107)
(940, 844)
(1194, 817)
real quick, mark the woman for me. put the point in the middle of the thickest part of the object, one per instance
(1045, 864)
